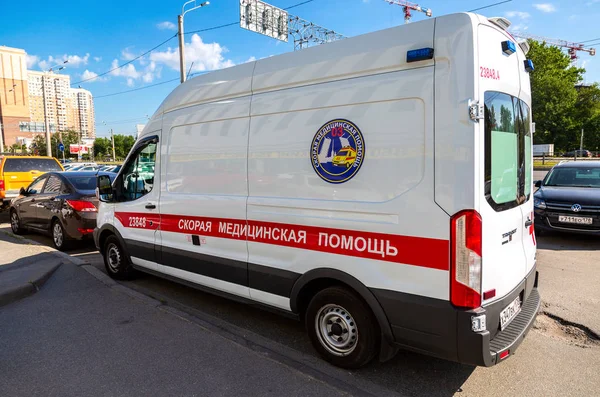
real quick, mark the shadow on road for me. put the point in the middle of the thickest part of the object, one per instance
(568, 242)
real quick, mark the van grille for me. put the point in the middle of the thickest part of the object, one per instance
(566, 208)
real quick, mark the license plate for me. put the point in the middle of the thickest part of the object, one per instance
(509, 313)
(575, 219)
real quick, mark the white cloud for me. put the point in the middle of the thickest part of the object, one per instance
(91, 76)
(518, 14)
(205, 56)
(97, 59)
(520, 27)
(74, 61)
(545, 7)
(592, 2)
(251, 59)
(31, 60)
(130, 82)
(166, 25)
(126, 71)
(127, 55)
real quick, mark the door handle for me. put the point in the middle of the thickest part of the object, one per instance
(150, 206)
(528, 223)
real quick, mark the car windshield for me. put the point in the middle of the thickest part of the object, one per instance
(27, 164)
(343, 153)
(574, 177)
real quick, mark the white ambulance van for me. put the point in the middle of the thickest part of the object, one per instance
(378, 187)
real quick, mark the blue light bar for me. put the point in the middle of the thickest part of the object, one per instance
(419, 55)
(508, 47)
(528, 65)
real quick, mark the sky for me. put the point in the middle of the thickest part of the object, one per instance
(98, 36)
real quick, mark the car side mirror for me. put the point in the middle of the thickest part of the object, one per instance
(104, 189)
(538, 184)
(23, 191)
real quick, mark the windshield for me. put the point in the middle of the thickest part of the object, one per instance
(574, 177)
(84, 182)
(27, 164)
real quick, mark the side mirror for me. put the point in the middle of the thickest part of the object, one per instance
(104, 189)
(538, 184)
(23, 191)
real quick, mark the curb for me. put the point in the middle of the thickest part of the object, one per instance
(19, 292)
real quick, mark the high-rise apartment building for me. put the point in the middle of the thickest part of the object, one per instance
(28, 97)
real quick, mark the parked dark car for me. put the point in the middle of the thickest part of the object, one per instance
(61, 204)
(568, 198)
(578, 153)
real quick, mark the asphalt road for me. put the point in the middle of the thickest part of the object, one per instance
(557, 357)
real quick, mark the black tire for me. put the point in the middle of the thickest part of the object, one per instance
(59, 236)
(15, 223)
(334, 313)
(116, 262)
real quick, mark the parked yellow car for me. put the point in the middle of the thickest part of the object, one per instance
(18, 172)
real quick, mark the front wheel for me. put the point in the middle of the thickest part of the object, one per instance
(342, 327)
(116, 262)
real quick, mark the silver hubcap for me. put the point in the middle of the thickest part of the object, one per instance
(113, 256)
(14, 222)
(336, 329)
(57, 233)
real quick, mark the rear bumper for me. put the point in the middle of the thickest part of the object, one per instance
(435, 327)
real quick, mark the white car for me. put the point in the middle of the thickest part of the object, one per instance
(379, 187)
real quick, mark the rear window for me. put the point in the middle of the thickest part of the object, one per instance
(508, 168)
(27, 164)
(84, 182)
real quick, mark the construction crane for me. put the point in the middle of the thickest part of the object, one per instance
(572, 48)
(408, 7)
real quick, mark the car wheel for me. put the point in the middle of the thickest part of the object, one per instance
(116, 262)
(342, 328)
(15, 223)
(59, 237)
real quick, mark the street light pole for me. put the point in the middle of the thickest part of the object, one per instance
(180, 34)
(46, 121)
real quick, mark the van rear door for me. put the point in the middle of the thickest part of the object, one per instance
(504, 263)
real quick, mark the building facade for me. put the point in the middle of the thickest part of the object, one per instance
(28, 97)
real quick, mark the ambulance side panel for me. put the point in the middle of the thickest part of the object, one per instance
(205, 179)
(392, 194)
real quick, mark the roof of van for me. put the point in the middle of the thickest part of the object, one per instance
(376, 52)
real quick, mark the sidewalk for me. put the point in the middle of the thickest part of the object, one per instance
(84, 334)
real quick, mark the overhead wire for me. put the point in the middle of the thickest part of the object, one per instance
(164, 42)
(491, 5)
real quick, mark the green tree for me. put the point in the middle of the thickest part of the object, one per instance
(69, 137)
(554, 96)
(102, 147)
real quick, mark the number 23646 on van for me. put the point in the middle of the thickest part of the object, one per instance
(378, 187)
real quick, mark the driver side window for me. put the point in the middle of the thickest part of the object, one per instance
(137, 178)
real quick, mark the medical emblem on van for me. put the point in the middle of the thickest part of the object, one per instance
(337, 151)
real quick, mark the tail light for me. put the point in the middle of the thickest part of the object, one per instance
(82, 205)
(2, 185)
(465, 272)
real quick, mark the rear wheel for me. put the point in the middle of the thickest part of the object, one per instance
(59, 237)
(15, 223)
(115, 260)
(342, 327)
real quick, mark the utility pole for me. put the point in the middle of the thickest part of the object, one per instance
(112, 138)
(180, 34)
(581, 144)
(46, 122)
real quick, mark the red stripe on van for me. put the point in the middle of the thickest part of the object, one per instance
(417, 251)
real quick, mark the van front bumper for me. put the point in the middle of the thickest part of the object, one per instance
(435, 327)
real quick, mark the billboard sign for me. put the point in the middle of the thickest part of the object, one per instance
(79, 149)
(260, 17)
